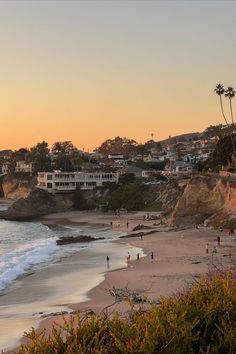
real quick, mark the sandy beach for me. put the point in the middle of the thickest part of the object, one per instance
(179, 259)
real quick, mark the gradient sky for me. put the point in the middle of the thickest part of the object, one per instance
(86, 71)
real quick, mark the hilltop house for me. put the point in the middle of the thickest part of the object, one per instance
(23, 166)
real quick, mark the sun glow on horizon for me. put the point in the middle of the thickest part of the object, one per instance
(89, 71)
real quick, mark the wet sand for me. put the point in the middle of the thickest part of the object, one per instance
(179, 260)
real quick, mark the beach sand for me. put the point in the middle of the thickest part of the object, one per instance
(179, 260)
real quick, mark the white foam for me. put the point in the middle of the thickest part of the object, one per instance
(23, 257)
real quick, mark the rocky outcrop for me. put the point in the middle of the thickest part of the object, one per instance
(208, 199)
(38, 203)
(15, 187)
(77, 239)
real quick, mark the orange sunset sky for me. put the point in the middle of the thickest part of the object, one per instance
(86, 71)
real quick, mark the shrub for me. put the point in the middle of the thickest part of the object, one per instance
(202, 320)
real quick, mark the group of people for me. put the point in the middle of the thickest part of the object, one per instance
(230, 231)
(118, 225)
(214, 250)
(218, 239)
(128, 258)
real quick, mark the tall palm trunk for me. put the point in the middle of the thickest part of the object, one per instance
(223, 114)
(231, 111)
(232, 115)
(222, 110)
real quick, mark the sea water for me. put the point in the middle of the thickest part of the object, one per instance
(28, 251)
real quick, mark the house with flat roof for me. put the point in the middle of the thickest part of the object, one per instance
(61, 182)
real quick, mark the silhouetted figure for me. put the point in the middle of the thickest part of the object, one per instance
(108, 259)
(128, 259)
(152, 256)
(127, 224)
(137, 256)
(218, 240)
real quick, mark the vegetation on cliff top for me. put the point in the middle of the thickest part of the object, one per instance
(202, 320)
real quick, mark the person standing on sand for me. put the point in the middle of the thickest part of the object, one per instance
(218, 240)
(214, 249)
(108, 259)
(111, 223)
(152, 256)
(207, 249)
(137, 256)
(127, 224)
(128, 259)
(141, 236)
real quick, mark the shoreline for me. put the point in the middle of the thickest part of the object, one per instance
(46, 281)
(179, 257)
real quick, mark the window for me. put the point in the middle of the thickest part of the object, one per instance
(49, 177)
(91, 184)
(49, 185)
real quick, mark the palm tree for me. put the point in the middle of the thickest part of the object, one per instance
(220, 91)
(230, 92)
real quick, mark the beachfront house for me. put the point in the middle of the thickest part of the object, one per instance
(61, 182)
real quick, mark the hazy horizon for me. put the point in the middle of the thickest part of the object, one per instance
(87, 71)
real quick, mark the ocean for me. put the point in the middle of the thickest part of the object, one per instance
(37, 275)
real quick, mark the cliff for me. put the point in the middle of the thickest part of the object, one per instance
(38, 203)
(208, 199)
(164, 196)
(15, 187)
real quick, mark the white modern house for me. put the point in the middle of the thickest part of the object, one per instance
(59, 182)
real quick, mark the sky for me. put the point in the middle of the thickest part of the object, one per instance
(86, 71)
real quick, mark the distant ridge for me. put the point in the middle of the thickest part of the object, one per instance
(182, 137)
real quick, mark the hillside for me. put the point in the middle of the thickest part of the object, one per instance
(182, 137)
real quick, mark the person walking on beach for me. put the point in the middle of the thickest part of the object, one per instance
(152, 256)
(207, 249)
(127, 224)
(141, 236)
(108, 259)
(218, 240)
(137, 256)
(111, 223)
(128, 259)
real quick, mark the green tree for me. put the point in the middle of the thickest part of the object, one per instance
(64, 156)
(39, 155)
(128, 196)
(117, 145)
(79, 200)
(63, 147)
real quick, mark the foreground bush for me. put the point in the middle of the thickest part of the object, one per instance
(200, 321)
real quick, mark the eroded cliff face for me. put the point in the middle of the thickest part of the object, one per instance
(18, 187)
(38, 203)
(165, 196)
(209, 199)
